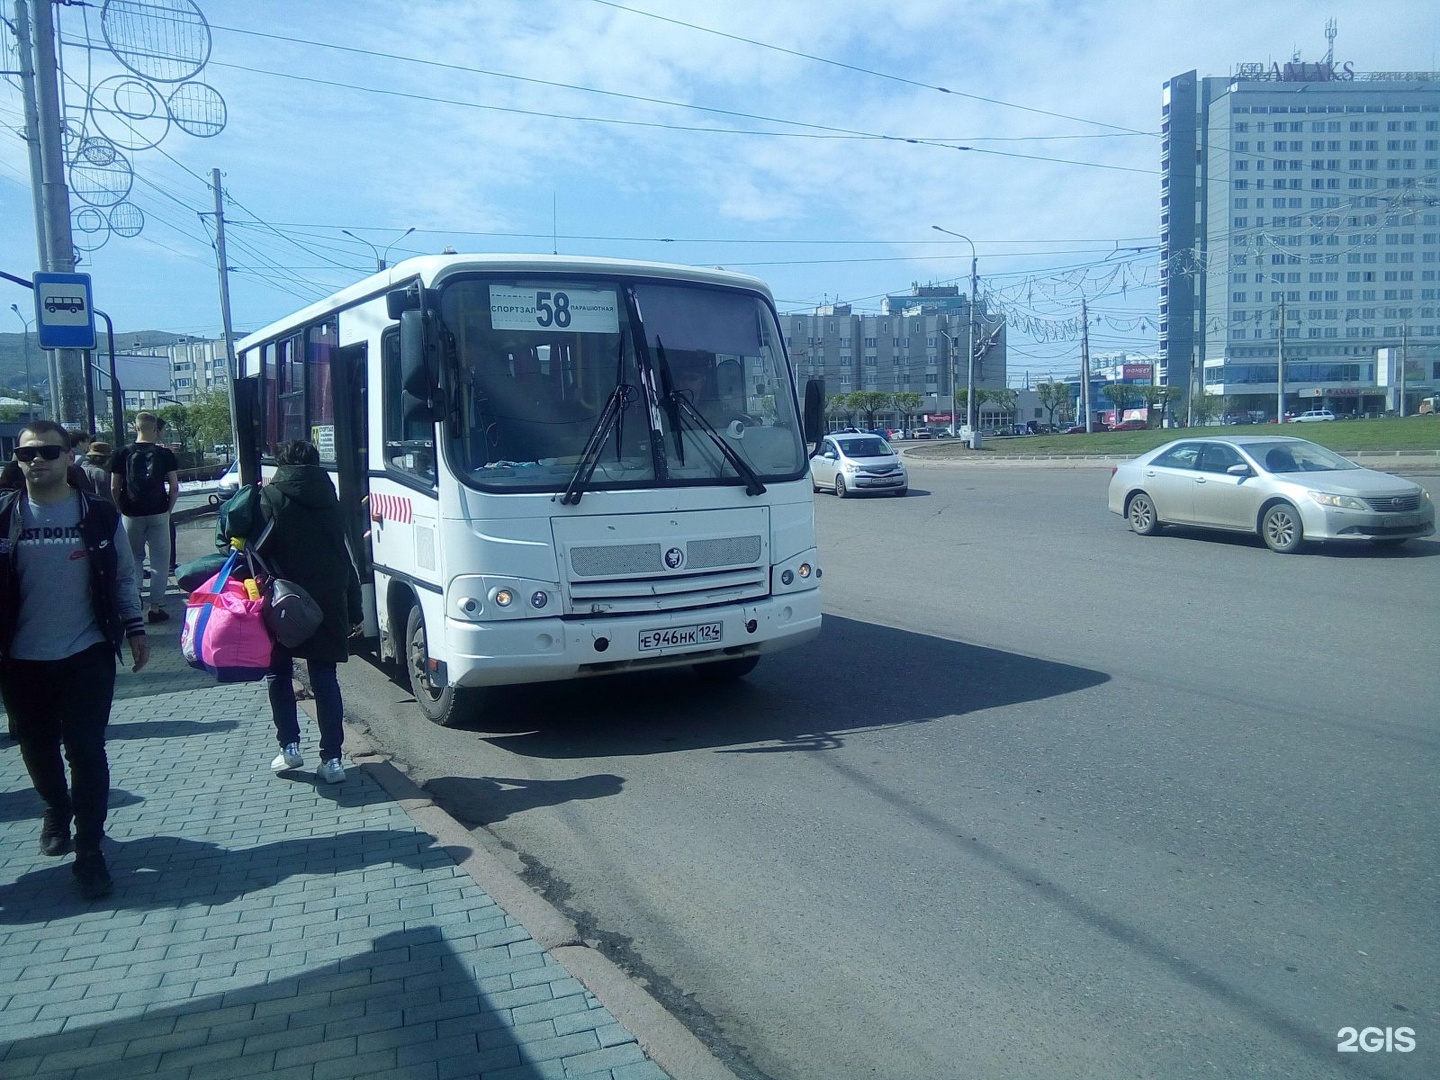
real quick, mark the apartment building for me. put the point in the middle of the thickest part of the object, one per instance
(916, 344)
(1300, 223)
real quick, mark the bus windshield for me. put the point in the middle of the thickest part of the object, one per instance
(534, 361)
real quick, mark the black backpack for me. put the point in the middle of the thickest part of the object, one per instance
(144, 476)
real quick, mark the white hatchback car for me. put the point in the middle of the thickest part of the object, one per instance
(849, 464)
(1313, 416)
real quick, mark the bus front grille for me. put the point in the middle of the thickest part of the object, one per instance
(677, 563)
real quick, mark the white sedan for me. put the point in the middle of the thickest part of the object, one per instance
(848, 464)
(1286, 490)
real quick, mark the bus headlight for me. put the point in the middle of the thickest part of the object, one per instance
(795, 574)
(480, 597)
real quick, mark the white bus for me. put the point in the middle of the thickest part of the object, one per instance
(554, 467)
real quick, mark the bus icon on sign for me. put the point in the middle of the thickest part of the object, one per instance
(64, 303)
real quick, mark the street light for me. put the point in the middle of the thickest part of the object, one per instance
(954, 378)
(29, 387)
(379, 255)
(970, 343)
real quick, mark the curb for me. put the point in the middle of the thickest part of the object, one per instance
(1418, 459)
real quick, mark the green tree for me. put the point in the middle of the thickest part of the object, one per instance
(838, 407)
(1156, 398)
(1053, 395)
(1118, 394)
(907, 405)
(1205, 407)
(868, 403)
(178, 427)
(1005, 399)
(210, 418)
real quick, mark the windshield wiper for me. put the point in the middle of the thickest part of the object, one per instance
(620, 399)
(683, 406)
(668, 397)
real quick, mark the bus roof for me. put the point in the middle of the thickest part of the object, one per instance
(431, 269)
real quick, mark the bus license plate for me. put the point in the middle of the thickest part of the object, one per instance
(681, 636)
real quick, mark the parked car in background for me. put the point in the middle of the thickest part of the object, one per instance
(1079, 429)
(1285, 490)
(227, 485)
(850, 464)
(920, 433)
(1314, 416)
(1130, 425)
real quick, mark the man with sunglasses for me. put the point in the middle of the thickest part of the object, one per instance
(68, 598)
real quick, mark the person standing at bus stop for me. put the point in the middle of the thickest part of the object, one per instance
(67, 600)
(145, 481)
(307, 546)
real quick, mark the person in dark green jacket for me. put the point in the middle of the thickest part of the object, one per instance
(307, 546)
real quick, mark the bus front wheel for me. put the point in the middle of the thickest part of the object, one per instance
(448, 706)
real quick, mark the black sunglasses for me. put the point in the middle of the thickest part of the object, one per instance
(28, 454)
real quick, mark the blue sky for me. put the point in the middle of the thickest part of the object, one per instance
(768, 136)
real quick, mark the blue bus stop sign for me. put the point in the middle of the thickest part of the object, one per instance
(64, 315)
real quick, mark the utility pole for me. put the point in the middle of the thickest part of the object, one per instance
(224, 270)
(1404, 346)
(1280, 367)
(57, 250)
(32, 121)
(1085, 364)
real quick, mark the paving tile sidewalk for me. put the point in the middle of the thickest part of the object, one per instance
(268, 926)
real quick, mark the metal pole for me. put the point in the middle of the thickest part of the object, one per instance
(55, 197)
(970, 357)
(1404, 341)
(1280, 367)
(379, 255)
(379, 264)
(972, 432)
(224, 270)
(117, 395)
(385, 254)
(1085, 364)
(32, 124)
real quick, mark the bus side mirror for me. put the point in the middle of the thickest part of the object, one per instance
(814, 411)
(416, 348)
(399, 301)
(415, 409)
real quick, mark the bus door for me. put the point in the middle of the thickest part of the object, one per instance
(352, 464)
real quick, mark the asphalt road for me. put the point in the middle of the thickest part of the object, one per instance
(1045, 799)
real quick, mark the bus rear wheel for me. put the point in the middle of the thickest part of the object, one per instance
(448, 706)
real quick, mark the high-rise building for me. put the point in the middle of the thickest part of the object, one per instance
(1302, 195)
(915, 345)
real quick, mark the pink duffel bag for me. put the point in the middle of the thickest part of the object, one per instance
(224, 631)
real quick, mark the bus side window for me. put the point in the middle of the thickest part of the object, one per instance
(409, 444)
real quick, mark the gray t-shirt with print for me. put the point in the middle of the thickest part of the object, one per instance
(57, 618)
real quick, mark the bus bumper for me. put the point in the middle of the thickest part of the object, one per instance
(544, 650)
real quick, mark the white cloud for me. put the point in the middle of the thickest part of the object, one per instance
(299, 153)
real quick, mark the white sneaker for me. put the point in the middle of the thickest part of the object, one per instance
(331, 771)
(288, 758)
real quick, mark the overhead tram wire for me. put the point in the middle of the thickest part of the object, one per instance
(813, 131)
(508, 76)
(1125, 243)
(870, 71)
